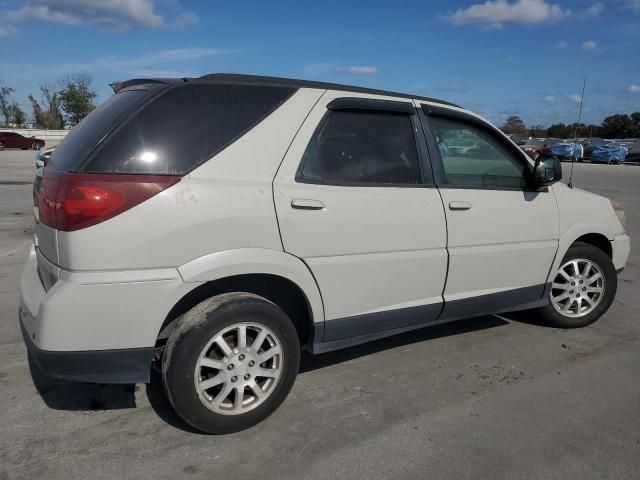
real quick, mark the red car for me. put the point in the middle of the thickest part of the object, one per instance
(539, 146)
(15, 140)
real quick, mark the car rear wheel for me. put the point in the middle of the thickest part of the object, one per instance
(582, 289)
(230, 362)
(36, 146)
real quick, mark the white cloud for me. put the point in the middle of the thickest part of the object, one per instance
(589, 45)
(561, 45)
(593, 11)
(495, 13)
(633, 4)
(7, 31)
(633, 88)
(161, 63)
(185, 20)
(358, 70)
(549, 99)
(575, 98)
(118, 15)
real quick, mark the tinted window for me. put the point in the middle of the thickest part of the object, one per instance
(184, 127)
(356, 147)
(472, 157)
(84, 137)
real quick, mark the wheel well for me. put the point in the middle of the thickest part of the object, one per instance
(598, 241)
(281, 291)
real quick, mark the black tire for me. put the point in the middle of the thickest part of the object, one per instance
(35, 146)
(602, 260)
(191, 335)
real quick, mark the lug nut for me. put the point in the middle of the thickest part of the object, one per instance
(573, 283)
(252, 363)
(234, 379)
(577, 295)
(241, 357)
(230, 366)
(584, 289)
(247, 376)
(571, 291)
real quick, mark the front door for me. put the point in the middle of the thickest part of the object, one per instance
(502, 235)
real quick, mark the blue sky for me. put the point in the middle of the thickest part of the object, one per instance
(496, 57)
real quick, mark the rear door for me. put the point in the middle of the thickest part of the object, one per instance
(356, 201)
(503, 235)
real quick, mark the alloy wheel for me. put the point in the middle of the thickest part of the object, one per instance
(239, 368)
(578, 288)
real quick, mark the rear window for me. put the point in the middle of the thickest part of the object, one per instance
(184, 126)
(82, 139)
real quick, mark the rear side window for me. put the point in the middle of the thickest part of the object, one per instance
(185, 126)
(362, 148)
(83, 138)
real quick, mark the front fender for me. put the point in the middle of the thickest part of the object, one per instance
(243, 261)
(571, 235)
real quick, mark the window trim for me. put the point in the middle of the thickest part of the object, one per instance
(426, 111)
(359, 103)
(418, 137)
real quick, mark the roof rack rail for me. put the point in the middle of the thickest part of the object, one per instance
(290, 82)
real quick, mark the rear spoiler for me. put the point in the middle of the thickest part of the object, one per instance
(120, 86)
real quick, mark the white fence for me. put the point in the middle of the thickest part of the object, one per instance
(51, 137)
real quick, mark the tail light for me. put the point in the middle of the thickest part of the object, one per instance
(72, 201)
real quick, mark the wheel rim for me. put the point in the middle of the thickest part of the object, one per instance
(578, 288)
(239, 368)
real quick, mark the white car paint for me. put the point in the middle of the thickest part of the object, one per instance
(370, 249)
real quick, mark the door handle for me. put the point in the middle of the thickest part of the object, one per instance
(306, 204)
(459, 206)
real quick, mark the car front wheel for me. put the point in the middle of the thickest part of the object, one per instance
(230, 362)
(583, 288)
(35, 146)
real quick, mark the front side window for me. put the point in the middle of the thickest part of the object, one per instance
(362, 148)
(472, 158)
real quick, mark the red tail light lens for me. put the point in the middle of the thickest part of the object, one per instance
(72, 201)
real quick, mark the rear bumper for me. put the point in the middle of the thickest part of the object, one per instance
(100, 366)
(95, 326)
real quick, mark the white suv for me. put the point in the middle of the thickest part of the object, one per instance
(216, 226)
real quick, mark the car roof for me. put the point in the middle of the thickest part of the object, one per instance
(242, 79)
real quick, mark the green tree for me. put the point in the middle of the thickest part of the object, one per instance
(6, 104)
(48, 114)
(558, 130)
(537, 131)
(616, 126)
(635, 120)
(18, 116)
(77, 97)
(514, 125)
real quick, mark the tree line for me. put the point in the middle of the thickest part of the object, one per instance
(619, 125)
(65, 102)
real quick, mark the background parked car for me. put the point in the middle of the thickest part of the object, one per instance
(568, 150)
(517, 139)
(609, 153)
(633, 154)
(588, 144)
(539, 146)
(15, 140)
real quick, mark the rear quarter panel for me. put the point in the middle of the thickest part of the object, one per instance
(226, 203)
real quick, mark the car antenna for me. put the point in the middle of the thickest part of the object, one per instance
(575, 136)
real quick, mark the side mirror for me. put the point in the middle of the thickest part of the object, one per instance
(547, 170)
